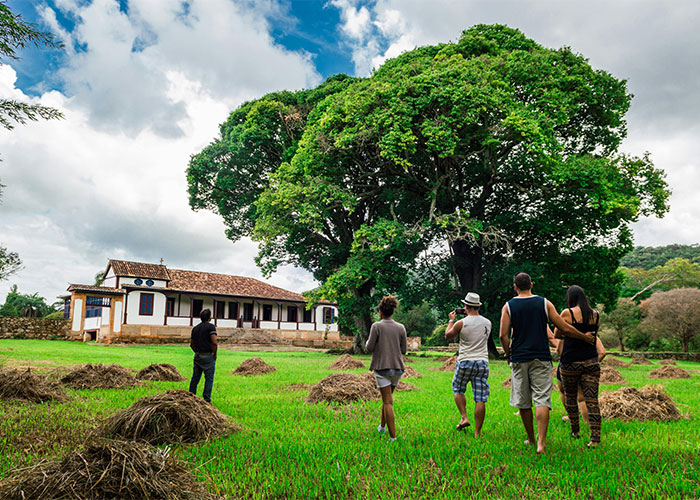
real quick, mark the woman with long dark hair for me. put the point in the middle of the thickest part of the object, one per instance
(579, 363)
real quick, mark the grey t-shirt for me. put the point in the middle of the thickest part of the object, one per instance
(473, 339)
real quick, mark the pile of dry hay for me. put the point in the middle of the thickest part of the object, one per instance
(343, 388)
(99, 377)
(411, 372)
(28, 386)
(106, 470)
(615, 363)
(172, 417)
(610, 375)
(406, 359)
(449, 365)
(442, 359)
(253, 366)
(346, 362)
(669, 372)
(630, 403)
(163, 372)
(668, 362)
(639, 360)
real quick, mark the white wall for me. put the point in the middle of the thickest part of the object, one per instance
(320, 325)
(117, 327)
(77, 314)
(132, 309)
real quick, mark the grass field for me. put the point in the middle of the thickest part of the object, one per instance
(290, 449)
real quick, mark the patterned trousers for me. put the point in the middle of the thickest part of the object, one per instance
(584, 374)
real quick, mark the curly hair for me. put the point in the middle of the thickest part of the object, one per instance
(387, 305)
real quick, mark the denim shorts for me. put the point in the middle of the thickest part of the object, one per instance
(476, 372)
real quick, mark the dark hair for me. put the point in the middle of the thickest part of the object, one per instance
(205, 315)
(387, 305)
(471, 308)
(522, 281)
(575, 296)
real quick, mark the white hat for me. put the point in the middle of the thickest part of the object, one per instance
(472, 299)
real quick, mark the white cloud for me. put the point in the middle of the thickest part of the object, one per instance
(109, 179)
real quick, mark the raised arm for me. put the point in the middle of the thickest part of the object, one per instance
(504, 331)
(453, 328)
(564, 327)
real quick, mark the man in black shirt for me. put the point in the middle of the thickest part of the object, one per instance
(203, 343)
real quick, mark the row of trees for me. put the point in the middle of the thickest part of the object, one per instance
(660, 304)
(447, 170)
(29, 306)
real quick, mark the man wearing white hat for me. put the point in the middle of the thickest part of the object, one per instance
(472, 362)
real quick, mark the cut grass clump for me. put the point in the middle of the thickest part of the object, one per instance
(106, 470)
(669, 372)
(253, 366)
(668, 362)
(630, 404)
(99, 377)
(171, 417)
(411, 372)
(163, 372)
(639, 360)
(27, 386)
(449, 365)
(610, 375)
(614, 363)
(343, 388)
(346, 362)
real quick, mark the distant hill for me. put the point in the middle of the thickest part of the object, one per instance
(650, 257)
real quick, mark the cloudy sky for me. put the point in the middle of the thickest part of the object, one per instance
(144, 84)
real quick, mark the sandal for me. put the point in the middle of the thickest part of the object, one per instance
(462, 426)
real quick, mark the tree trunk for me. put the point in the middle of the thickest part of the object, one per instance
(622, 346)
(467, 264)
(362, 317)
(467, 260)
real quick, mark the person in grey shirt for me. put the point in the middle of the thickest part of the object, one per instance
(387, 343)
(472, 362)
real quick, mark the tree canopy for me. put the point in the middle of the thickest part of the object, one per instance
(495, 152)
(25, 305)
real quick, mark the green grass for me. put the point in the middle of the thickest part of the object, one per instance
(289, 449)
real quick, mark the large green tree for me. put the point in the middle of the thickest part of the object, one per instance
(500, 151)
(25, 305)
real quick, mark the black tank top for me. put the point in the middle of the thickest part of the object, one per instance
(576, 349)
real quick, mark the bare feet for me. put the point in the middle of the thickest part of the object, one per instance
(593, 445)
(540, 449)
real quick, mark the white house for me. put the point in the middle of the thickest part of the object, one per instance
(145, 302)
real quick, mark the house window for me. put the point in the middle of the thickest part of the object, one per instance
(232, 310)
(170, 306)
(291, 314)
(219, 309)
(308, 314)
(197, 305)
(66, 309)
(247, 312)
(267, 312)
(328, 316)
(98, 301)
(93, 311)
(146, 304)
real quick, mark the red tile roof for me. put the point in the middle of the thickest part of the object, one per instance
(224, 284)
(139, 269)
(95, 289)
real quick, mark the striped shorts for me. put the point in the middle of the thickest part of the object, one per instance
(476, 372)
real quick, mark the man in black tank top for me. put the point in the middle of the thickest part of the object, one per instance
(528, 316)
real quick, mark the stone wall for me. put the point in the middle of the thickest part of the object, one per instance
(34, 328)
(686, 356)
(159, 334)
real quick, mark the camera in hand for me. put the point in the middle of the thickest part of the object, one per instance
(461, 311)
